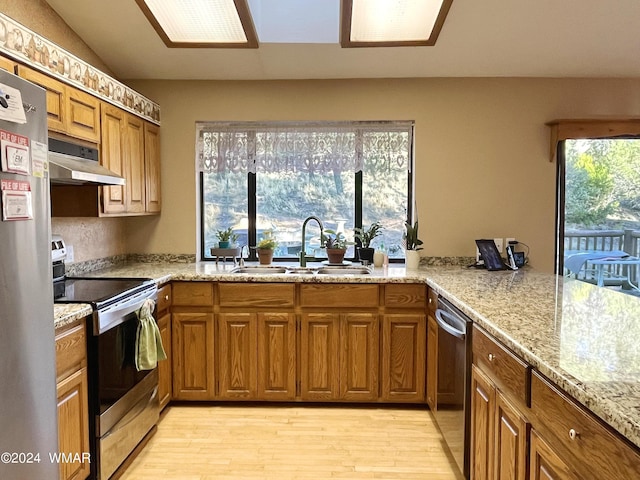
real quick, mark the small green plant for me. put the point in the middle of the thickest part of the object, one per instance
(366, 235)
(410, 237)
(268, 241)
(333, 239)
(227, 235)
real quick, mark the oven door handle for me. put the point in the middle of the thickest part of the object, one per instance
(115, 314)
(451, 324)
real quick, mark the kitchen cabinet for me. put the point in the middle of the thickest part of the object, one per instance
(432, 350)
(192, 339)
(578, 438)
(545, 463)
(256, 342)
(8, 64)
(153, 197)
(339, 339)
(70, 111)
(499, 424)
(113, 157)
(72, 394)
(164, 325)
(134, 164)
(404, 343)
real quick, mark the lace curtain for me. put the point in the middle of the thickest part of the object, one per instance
(317, 148)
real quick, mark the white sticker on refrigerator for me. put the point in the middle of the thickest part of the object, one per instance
(39, 159)
(14, 149)
(16, 200)
(11, 108)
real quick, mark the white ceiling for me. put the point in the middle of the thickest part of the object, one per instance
(480, 38)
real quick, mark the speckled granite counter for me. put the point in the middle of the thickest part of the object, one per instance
(66, 313)
(586, 339)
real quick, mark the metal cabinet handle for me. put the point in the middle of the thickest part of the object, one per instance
(573, 434)
(491, 357)
(166, 297)
(430, 300)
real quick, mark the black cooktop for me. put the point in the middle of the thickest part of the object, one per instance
(97, 291)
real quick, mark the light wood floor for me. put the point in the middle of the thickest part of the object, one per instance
(287, 443)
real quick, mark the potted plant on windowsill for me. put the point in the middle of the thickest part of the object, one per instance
(265, 249)
(226, 238)
(412, 245)
(336, 246)
(365, 252)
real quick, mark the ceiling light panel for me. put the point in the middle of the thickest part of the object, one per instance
(392, 22)
(201, 22)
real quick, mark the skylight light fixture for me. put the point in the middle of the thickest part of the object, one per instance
(201, 23)
(392, 23)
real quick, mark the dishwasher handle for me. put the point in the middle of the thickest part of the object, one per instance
(451, 324)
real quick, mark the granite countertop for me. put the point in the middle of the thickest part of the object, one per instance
(66, 313)
(584, 338)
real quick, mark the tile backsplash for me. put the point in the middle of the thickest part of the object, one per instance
(91, 238)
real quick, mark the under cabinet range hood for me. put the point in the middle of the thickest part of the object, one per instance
(73, 164)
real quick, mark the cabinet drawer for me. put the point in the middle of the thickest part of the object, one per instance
(405, 296)
(71, 351)
(256, 294)
(581, 439)
(192, 294)
(512, 374)
(339, 295)
(164, 298)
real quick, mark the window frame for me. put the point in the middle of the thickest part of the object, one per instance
(358, 204)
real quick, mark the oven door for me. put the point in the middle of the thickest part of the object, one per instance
(125, 400)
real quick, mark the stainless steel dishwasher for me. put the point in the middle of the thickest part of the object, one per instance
(454, 381)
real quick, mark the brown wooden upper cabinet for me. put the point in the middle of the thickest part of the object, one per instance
(8, 64)
(70, 111)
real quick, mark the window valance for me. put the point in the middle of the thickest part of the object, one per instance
(590, 128)
(302, 147)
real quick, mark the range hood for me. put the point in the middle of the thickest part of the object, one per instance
(72, 164)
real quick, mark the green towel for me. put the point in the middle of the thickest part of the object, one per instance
(148, 341)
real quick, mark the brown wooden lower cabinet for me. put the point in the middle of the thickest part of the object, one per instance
(193, 356)
(165, 366)
(319, 340)
(432, 362)
(403, 357)
(483, 404)
(237, 356)
(276, 356)
(359, 347)
(545, 464)
(72, 393)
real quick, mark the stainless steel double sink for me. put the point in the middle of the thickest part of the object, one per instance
(293, 270)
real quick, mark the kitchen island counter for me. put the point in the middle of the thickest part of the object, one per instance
(584, 338)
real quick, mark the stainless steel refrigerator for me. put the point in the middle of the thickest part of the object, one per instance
(28, 412)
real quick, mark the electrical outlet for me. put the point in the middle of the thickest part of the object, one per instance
(507, 240)
(499, 245)
(70, 253)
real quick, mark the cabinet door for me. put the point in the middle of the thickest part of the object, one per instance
(164, 366)
(134, 164)
(73, 424)
(237, 337)
(432, 363)
(276, 356)
(7, 64)
(83, 115)
(152, 167)
(359, 347)
(545, 463)
(403, 357)
(319, 363)
(112, 157)
(483, 405)
(511, 433)
(56, 97)
(192, 355)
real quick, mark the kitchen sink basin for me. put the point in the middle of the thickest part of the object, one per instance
(262, 270)
(344, 270)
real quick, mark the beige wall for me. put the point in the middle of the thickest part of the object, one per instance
(482, 148)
